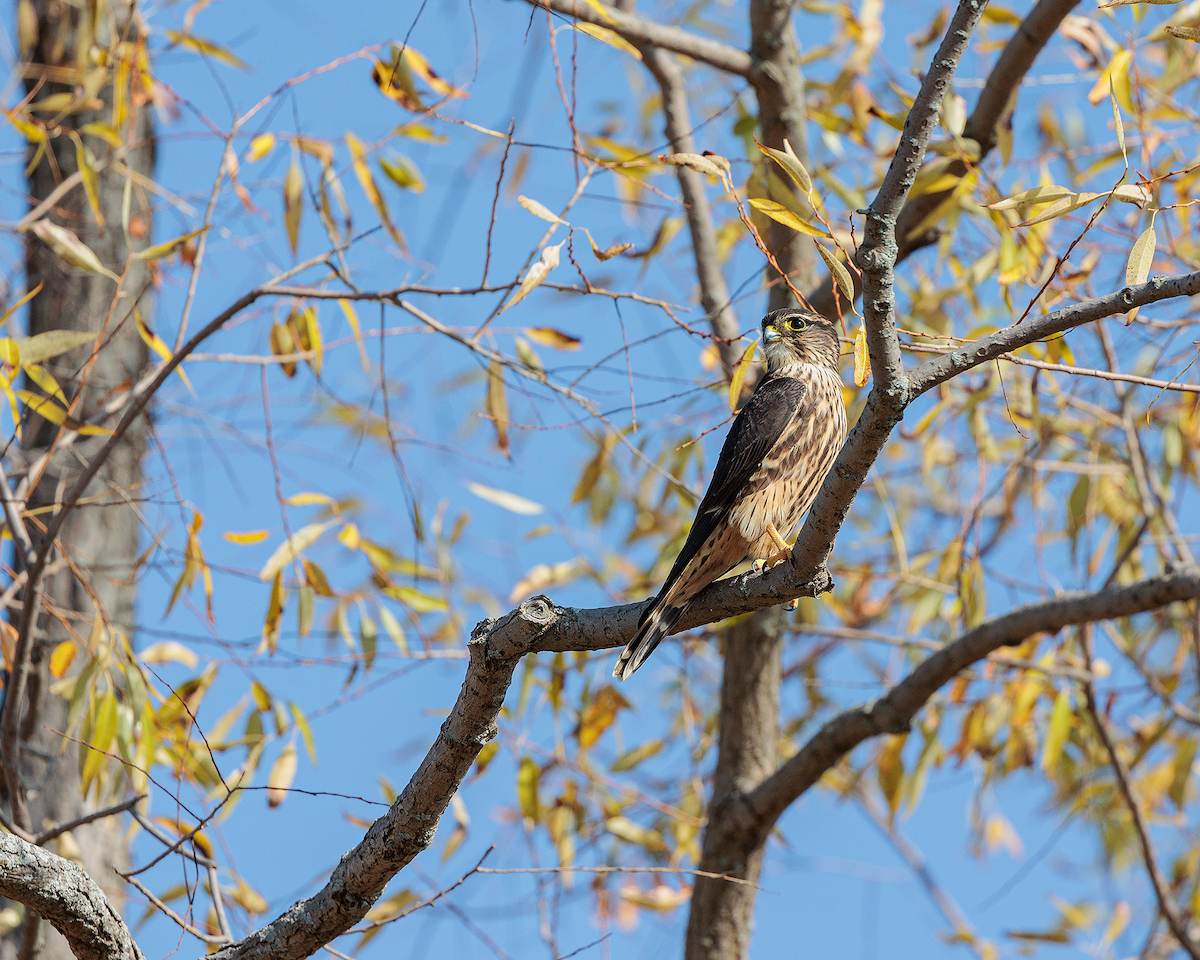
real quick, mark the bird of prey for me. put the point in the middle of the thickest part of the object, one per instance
(777, 453)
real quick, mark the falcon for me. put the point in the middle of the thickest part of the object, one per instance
(778, 451)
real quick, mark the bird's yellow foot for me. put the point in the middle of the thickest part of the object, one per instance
(792, 604)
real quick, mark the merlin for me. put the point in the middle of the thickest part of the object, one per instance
(781, 445)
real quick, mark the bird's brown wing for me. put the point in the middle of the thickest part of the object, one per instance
(756, 430)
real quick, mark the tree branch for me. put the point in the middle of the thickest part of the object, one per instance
(943, 368)
(638, 30)
(878, 254)
(1005, 77)
(714, 293)
(893, 712)
(62, 893)
(1161, 891)
(778, 83)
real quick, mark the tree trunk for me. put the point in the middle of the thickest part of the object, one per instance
(779, 87)
(100, 538)
(721, 915)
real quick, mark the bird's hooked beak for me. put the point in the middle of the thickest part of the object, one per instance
(771, 333)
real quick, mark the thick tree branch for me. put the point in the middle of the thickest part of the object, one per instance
(638, 30)
(878, 254)
(779, 86)
(893, 712)
(62, 893)
(721, 914)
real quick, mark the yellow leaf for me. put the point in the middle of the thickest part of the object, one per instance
(528, 775)
(30, 130)
(160, 250)
(1185, 33)
(352, 319)
(90, 179)
(604, 35)
(862, 357)
(543, 575)
(104, 132)
(1043, 194)
(395, 81)
(293, 203)
(841, 276)
(509, 501)
(309, 329)
(415, 600)
(1119, 125)
(1056, 733)
(536, 274)
(292, 547)
(787, 159)
(549, 337)
(497, 404)
(1114, 80)
(249, 536)
(607, 254)
(61, 657)
(599, 715)
(781, 214)
(52, 343)
(260, 146)
(283, 344)
(1060, 207)
(350, 537)
(632, 758)
(69, 248)
(539, 211)
(1185, 756)
(44, 406)
(711, 166)
(155, 343)
(170, 651)
(1141, 257)
(314, 577)
(890, 770)
(739, 375)
(205, 48)
(43, 379)
(358, 155)
(420, 66)
(283, 772)
(402, 172)
(101, 738)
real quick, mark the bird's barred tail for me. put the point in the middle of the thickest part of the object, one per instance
(655, 625)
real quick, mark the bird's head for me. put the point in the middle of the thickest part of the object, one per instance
(792, 337)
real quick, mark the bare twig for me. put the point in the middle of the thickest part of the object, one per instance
(637, 30)
(47, 835)
(1161, 892)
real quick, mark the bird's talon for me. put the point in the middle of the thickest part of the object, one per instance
(758, 565)
(793, 604)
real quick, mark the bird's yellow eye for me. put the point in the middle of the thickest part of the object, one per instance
(795, 323)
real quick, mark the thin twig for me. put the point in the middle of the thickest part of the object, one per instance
(187, 927)
(1161, 891)
(47, 835)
